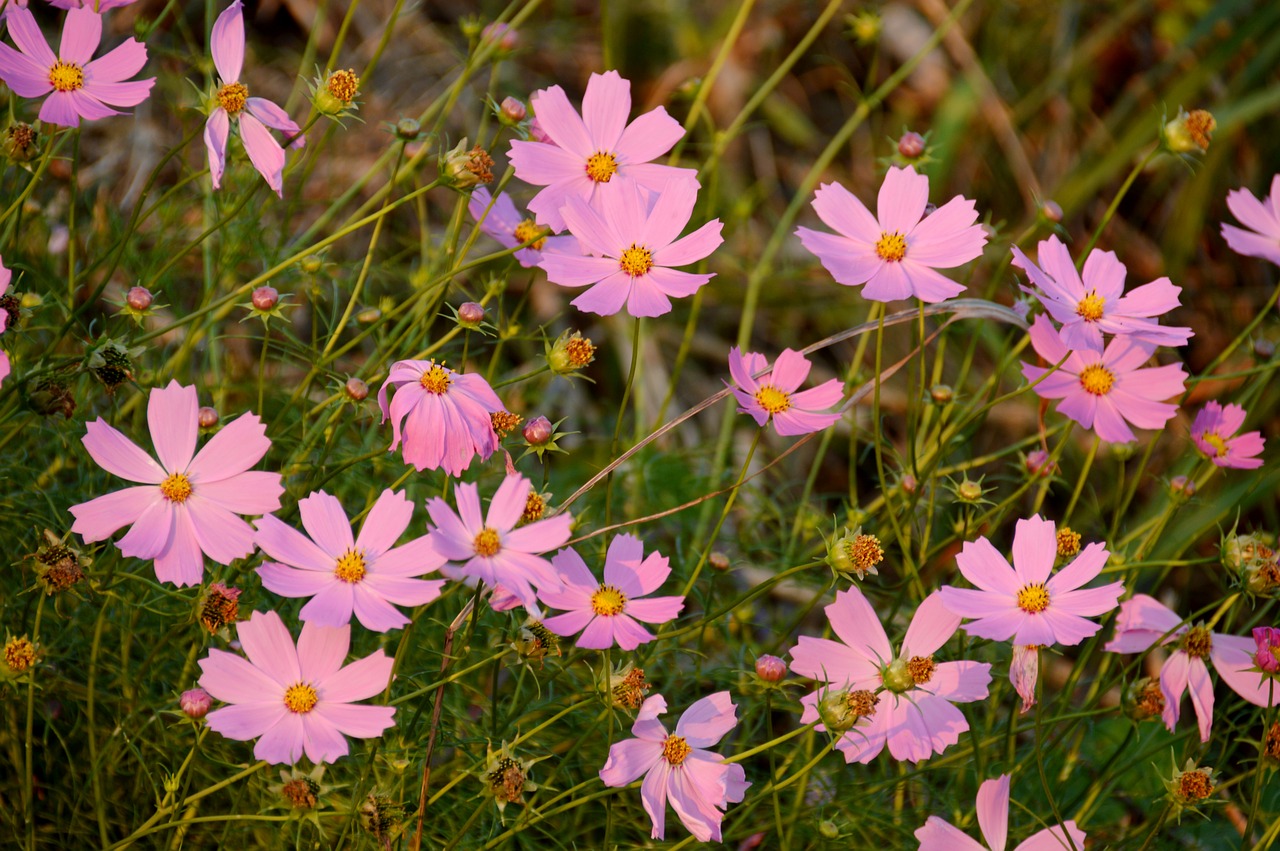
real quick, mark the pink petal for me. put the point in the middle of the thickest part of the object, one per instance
(264, 151)
(332, 605)
(982, 564)
(688, 800)
(605, 107)
(855, 622)
(98, 519)
(1068, 629)
(561, 122)
(414, 558)
(1082, 570)
(1232, 657)
(849, 263)
(570, 623)
(88, 107)
(223, 536)
(931, 627)
(598, 634)
(692, 247)
(226, 42)
(26, 77)
(326, 522)
(947, 237)
(374, 612)
(182, 561)
(654, 792)
(889, 283)
(939, 835)
(119, 455)
(284, 543)
(928, 285)
(385, 523)
(541, 536)
(245, 721)
(1249, 244)
(284, 743)
(594, 231)
(117, 65)
(707, 721)
(1035, 545)
(215, 142)
(508, 504)
(1088, 602)
(659, 226)
(254, 492)
(152, 532)
(232, 679)
(1243, 205)
(361, 722)
(402, 590)
(607, 297)
(1201, 696)
(656, 610)
(960, 682)
(841, 211)
(321, 740)
(993, 811)
(789, 371)
(648, 137)
(27, 36)
(902, 200)
(1173, 682)
(629, 759)
(239, 445)
(81, 33)
(171, 415)
(1055, 839)
(270, 647)
(672, 282)
(277, 119)
(293, 582)
(839, 664)
(60, 108)
(360, 680)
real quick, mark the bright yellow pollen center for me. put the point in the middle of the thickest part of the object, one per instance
(66, 77)
(1033, 599)
(608, 601)
(176, 488)
(891, 246)
(1090, 307)
(300, 698)
(488, 543)
(1097, 379)
(350, 567)
(675, 749)
(1198, 642)
(435, 380)
(527, 230)
(1215, 440)
(636, 260)
(921, 669)
(232, 97)
(772, 399)
(602, 166)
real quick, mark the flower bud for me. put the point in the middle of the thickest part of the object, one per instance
(512, 111)
(536, 133)
(911, 145)
(908, 484)
(537, 431)
(465, 167)
(265, 298)
(828, 829)
(407, 129)
(1038, 464)
(1182, 488)
(207, 417)
(470, 314)
(139, 298)
(503, 35)
(356, 390)
(1189, 132)
(20, 142)
(1143, 699)
(969, 490)
(1068, 542)
(1052, 211)
(771, 669)
(718, 561)
(1264, 348)
(195, 703)
(864, 27)
(941, 394)
(1268, 640)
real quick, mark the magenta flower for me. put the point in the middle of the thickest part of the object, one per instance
(1145, 622)
(7, 6)
(1096, 304)
(1263, 217)
(607, 612)
(78, 86)
(1214, 432)
(295, 700)
(874, 697)
(897, 253)
(185, 506)
(1105, 391)
(5, 277)
(586, 153)
(634, 243)
(677, 769)
(1022, 603)
(445, 415)
(98, 6)
(369, 574)
(993, 820)
(491, 549)
(773, 396)
(500, 220)
(254, 115)
(1268, 640)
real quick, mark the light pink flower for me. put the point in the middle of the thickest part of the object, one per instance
(773, 396)
(1022, 603)
(589, 156)
(445, 415)
(342, 574)
(296, 700)
(607, 612)
(98, 6)
(1263, 217)
(491, 549)
(677, 768)
(5, 277)
(505, 224)
(254, 115)
(1024, 671)
(903, 700)
(186, 505)
(1144, 621)
(896, 253)
(1213, 432)
(993, 820)
(1089, 306)
(78, 86)
(1267, 638)
(1105, 391)
(635, 244)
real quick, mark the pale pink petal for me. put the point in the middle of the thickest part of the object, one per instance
(385, 523)
(508, 504)
(939, 835)
(81, 33)
(707, 721)
(293, 582)
(605, 107)
(264, 151)
(981, 563)
(152, 532)
(326, 522)
(98, 519)
(1173, 682)
(841, 210)
(570, 623)
(1232, 657)
(1068, 629)
(692, 247)
(88, 107)
(374, 612)
(182, 562)
(561, 122)
(1055, 839)
(1249, 244)
(1088, 602)
(115, 66)
(245, 721)
(254, 492)
(223, 536)
(236, 447)
(26, 34)
(698, 815)
(648, 137)
(227, 43)
(1035, 545)
(284, 543)
(855, 622)
(119, 455)
(823, 659)
(215, 142)
(931, 627)
(902, 199)
(332, 605)
(362, 679)
(960, 682)
(947, 237)
(414, 558)
(889, 283)
(657, 610)
(233, 679)
(927, 284)
(285, 743)
(993, 811)
(628, 759)
(541, 536)
(607, 297)
(270, 647)
(24, 76)
(321, 740)
(1241, 202)
(1201, 696)
(361, 722)
(403, 591)
(848, 262)
(171, 415)
(1082, 570)
(277, 119)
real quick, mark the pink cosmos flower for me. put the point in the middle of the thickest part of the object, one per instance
(492, 550)
(185, 505)
(445, 415)
(98, 6)
(1144, 622)
(1268, 640)
(342, 574)
(1213, 432)
(1105, 391)
(677, 769)
(295, 700)
(993, 819)
(508, 227)
(589, 156)
(607, 612)
(634, 243)
(1261, 216)
(773, 395)
(254, 115)
(903, 700)
(78, 86)
(897, 253)
(1022, 603)
(1096, 304)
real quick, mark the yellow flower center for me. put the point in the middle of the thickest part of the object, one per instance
(1033, 599)
(602, 166)
(636, 260)
(1198, 642)
(344, 85)
(1068, 542)
(1195, 785)
(1090, 307)
(527, 230)
(921, 669)
(435, 380)
(300, 698)
(488, 543)
(19, 654)
(232, 97)
(176, 488)
(675, 749)
(1215, 440)
(861, 703)
(534, 507)
(1097, 379)
(772, 399)
(350, 567)
(891, 246)
(66, 77)
(608, 601)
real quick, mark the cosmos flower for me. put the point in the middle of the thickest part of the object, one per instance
(505, 224)
(896, 253)
(295, 700)
(993, 820)
(1106, 391)
(1214, 433)
(1263, 219)
(7, 6)
(1024, 671)
(607, 612)
(1267, 638)
(589, 156)
(677, 768)
(186, 506)
(773, 396)
(872, 697)
(341, 574)
(78, 86)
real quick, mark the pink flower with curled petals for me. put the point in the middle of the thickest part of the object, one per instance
(773, 396)
(491, 549)
(589, 157)
(905, 701)
(634, 243)
(1144, 622)
(499, 219)
(1024, 671)
(186, 506)
(78, 86)
(897, 252)
(1106, 391)
(606, 613)
(1263, 219)
(677, 768)
(252, 115)
(1022, 603)
(296, 700)
(368, 575)
(1090, 303)
(993, 820)
(1214, 432)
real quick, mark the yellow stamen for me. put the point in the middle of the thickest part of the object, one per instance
(1215, 440)
(608, 601)
(1033, 599)
(176, 488)
(675, 749)
(1090, 307)
(636, 260)
(861, 703)
(602, 166)
(436, 379)
(1198, 642)
(891, 246)
(344, 85)
(488, 542)
(351, 566)
(66, 77)
(1097, 379)
(300, 698)
(232, 98)
(921, 669)
(772, 399)
(527, 230)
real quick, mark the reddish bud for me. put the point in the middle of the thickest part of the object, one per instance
(537, 431)
(265, 298)
(139, 298)
(771, 669)
(207, 417)
(911, 145)
(470, 314)
(356, 390)
(195, 703)
(513, 111)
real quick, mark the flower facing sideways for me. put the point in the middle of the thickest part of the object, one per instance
(773, 396)
(499, 219)
(1263, 219)
(993, 820)
(1214, 433)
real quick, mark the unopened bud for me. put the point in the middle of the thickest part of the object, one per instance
(503, 35)
(1264, 349)
(1267, 638)
(356, 390)
(911, 145)
(828, 829)
(771, 669)
(20, 142)
(195, 703)
(207, 417)
(139, 298)
(265, 298)
(1052, 211)
(407, 129)
(941, 394)
(470, 314)
(512, 111)
(718, 561)
(969, 491)
(537, 431)
(1182, 487)
(1189, 132)
(536, 133)
(1038, 464)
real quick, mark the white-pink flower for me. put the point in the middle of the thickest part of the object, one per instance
(993, 819)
